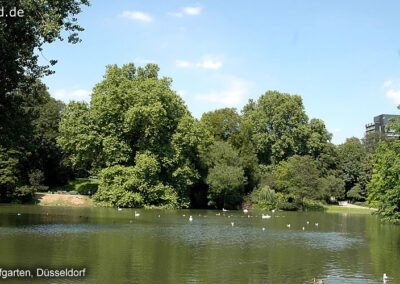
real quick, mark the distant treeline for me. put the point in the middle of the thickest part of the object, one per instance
(138, 136)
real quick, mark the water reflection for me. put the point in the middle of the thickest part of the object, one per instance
(117, 247)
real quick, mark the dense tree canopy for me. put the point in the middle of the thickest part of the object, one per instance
(133, 112)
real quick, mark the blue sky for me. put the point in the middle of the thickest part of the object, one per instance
(342, 57)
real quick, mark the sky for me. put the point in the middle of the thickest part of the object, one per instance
(341, 57)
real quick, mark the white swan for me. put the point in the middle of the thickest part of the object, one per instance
(19, 214)
(137, 214)
(263, 229)
(308, 222)
(224, 210)
(303, 228)
(273, 210)
(316, 224)
(190, 218)
(385, 277)
(233, 224)
(245, 211)
(288, 225)
(265, 216)
(119, 209)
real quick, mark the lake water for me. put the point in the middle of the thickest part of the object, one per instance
(162, 246)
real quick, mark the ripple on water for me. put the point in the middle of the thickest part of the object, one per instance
(56, 229)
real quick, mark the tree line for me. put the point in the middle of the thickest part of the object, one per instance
(139, 137)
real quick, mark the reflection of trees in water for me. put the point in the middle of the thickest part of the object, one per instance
(384, 247)
(208, 250)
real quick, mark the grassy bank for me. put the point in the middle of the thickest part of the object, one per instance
(344, 209)
(47, 199)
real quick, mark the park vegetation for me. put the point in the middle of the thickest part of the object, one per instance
(147, 150)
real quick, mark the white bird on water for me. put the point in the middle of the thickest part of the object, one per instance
(119, 209)
(385, 277)
(303, 228)
(265, 216)
(263, 229)
(233, 224)
(288, 225)
(19, 214)
(190, 218)
(316, 224)
(308, 222)
(224, 210)
(273, 210)
(137, 214)
(245, 211)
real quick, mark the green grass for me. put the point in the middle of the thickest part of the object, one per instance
(72, 185)
(341, 209)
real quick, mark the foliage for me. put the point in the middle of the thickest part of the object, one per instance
(299, 176)
(23, 193)
(312, 205)
(135, 186)
(356, 193)
(225, 177)
(279, 126)
(21, 37)
(134, 113)
(354, 165)
(264, 198)
(371, 141)
(223, 124)
(9, 172)
(87, 188)
(332, 186)
(384, 188)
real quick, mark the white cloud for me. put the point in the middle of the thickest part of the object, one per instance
(192, 11)
(75, 95)
(137, 15)
(387, 83)
(183, 63)
(188, 11)
(140, 60)
(394, 96)
(234, 93)
(205, 63)
(182, 93)
(334, 130)
(209, 64)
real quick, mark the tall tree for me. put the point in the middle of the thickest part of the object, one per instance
(354, 167)
(279, 126)
(133, 112)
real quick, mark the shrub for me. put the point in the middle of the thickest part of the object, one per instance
(264, 198)
(87, 188)
(24, 193)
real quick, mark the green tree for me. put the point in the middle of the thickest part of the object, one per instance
(351, 162)
(225, 176)
(133, 111)
(223, 124)
(371, 141)
(135, 186)
(21, 37)
(279, 126)
(299, 177)
(332, 186)
(384, 188)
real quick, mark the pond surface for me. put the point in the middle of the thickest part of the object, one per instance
(163, 246)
